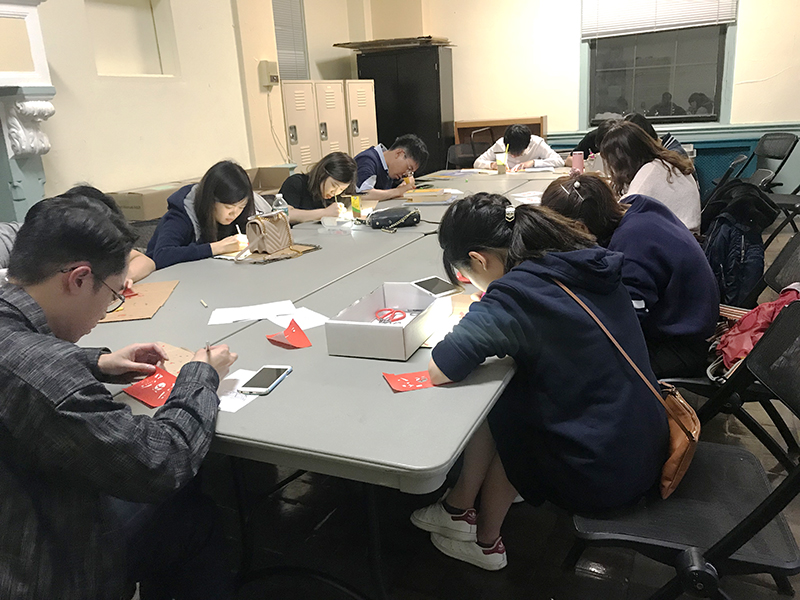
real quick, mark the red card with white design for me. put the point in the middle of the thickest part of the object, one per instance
(153, 390)
(292, 337)
(407, 382)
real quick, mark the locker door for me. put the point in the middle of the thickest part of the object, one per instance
(300, 112)
(332, 127)
(362, 123)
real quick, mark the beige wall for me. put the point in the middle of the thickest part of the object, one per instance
(122, 132)
(393, 19)
(767, 68)
(328, 23)
(511, 58)
(253, 18)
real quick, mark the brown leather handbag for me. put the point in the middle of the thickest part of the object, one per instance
(269, 238)
(684, 426)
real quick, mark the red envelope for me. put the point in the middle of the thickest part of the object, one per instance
(292, 337)
(153, 390)
(407, 382)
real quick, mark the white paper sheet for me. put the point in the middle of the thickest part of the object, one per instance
(540, 170)
(528, 197)
(231, 400)
(250, 313)
(304, 317)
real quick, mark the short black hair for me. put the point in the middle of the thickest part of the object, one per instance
(517, 137)
(62, 230)
(415, 148)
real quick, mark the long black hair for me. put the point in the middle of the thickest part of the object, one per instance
(487, 222)
(228, 183)
(338, 166)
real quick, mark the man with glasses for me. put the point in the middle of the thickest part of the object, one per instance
(94, 498)
(384, 174)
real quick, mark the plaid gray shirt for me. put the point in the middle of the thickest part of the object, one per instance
(66, 446)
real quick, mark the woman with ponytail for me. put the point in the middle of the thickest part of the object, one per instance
(576, 425)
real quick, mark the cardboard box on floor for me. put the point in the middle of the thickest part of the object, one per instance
(268, 180)
(144, 204)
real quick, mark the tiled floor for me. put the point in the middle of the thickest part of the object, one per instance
(320, 522)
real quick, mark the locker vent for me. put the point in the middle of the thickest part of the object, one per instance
(334, 146)
(330, 100)
(361, 98)
(305, 155)
(365, 145)
(299, 100)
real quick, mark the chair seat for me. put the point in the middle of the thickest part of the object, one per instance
(723, 484)
(788, 201)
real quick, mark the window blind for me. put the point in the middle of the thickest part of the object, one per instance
(608, 18)
(290, 35)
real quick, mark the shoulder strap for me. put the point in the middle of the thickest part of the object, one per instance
(625, 354)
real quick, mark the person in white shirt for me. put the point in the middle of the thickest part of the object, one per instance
(524, 151)
(640, 165)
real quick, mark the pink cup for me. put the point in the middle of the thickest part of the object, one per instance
(577, 161)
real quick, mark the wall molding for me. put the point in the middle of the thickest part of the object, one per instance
(691, 134)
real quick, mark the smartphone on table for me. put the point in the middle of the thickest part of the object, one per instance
(265, 379)
(437, 287)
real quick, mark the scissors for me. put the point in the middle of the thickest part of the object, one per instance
(390, 315)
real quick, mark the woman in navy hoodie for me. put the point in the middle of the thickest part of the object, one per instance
(576, 425)
(671, 284)
(202, 219)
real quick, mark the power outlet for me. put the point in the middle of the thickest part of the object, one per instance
(268, 74)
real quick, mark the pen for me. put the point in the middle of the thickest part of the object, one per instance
(208, 348)
(239, 231)
(203, 303)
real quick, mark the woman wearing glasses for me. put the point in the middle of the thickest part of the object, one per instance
(314, 195)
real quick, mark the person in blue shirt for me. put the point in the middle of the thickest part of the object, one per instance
(671, 284)
(384, 174)
(576, 425)
(202, 219)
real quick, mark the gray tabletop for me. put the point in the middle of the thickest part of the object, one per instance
(338, 416)
(182, 321)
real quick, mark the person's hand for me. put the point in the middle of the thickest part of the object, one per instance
(132, 361)
(220, 357)
(403, 188)
(332, 210)
(493, 166)
(523, 165)
(128, 285)
(436, 375)
(225, 245)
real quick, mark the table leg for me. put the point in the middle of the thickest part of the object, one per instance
(374, 549)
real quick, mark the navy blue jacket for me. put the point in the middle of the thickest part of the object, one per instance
(174, 239)
(369, 164)
(666, 272)
(576, 425)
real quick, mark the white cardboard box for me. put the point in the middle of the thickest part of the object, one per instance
(356, 332)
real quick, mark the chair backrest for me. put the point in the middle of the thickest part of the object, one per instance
(785, 269)
(461, 155)
(772, 152)
(775, 359)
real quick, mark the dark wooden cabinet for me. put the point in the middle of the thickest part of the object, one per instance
(413, 94)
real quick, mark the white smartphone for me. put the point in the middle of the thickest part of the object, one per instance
(438, 287)
(265, 380)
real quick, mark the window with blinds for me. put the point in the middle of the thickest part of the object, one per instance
(660, 58)
(290, 35)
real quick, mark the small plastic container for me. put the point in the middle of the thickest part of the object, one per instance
(577, 161)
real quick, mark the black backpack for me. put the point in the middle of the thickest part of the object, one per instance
(732, 221)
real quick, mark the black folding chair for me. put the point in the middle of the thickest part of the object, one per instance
(724, 518)
(784, 270)
(789, 204)
(461, 156)
(771, 153)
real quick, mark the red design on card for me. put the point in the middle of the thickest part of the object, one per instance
(292, 337)
(153, 390)
(406, 382)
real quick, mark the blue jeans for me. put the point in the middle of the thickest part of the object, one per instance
(176, 549)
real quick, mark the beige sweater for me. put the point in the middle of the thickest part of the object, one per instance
(678, 191)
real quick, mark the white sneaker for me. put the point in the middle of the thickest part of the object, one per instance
(491, 559)
(436, 519)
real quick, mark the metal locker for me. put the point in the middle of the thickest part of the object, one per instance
(332, 116)
(302, 125)
(362, 124)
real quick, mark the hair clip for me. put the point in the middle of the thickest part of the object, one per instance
(510, 213)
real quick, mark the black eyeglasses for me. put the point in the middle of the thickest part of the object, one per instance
(118, 300)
